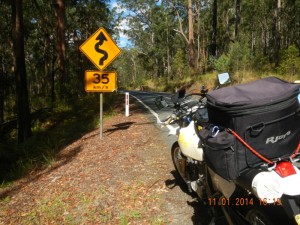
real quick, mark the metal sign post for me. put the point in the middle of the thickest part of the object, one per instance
(101, 115)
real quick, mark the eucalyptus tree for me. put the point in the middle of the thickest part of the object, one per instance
(291, 29)
(191, 40)
(197, 24)
(60, 15)
(288, 23)
(267, 26)
(238, 4)
(43, 54)
(59, 41)
(84, 18)
(184, 11)
(150, 28)
(24, 121)
(46, 60)
(131, 68)
(214, 33)
(5, 58)
(2, 80)
(276, 31)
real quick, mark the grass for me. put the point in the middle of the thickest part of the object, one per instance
(92, 207)
(52, 131)
(210, 79)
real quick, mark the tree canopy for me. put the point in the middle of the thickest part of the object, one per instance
(225, 35)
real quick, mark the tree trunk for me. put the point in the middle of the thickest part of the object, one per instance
(52, 85)
(47, 51)
(61, 43)
(134, 74)
(24, 121)
(1, 86)
(168, 51)
(237, 19)
(191, 44)
(277, 33)
(214, 29)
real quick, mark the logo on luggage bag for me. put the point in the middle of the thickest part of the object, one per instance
(277, 138)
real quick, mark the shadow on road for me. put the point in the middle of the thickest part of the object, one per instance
(119, 126)
(61, 161)
(123, 126)
(202, 213)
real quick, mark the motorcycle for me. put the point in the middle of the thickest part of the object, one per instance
(265, 193)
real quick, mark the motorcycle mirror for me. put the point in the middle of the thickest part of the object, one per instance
(160, 102)
(224, 78)
(178, 95)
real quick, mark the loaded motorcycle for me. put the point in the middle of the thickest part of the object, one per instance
(238, 149)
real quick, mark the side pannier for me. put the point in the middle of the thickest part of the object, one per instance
(264, 113)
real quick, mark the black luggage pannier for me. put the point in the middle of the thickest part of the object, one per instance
(264, 113)
(218, 151)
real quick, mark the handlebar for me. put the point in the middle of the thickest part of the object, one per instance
(185, 108)
(182, 115)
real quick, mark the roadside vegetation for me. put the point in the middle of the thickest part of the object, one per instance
(169, 45)
(53, 129)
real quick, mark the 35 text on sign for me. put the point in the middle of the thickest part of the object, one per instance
(100, 81)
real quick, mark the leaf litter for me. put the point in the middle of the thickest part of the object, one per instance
(125, 178)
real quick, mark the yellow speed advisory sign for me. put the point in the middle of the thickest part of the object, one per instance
(100, 48)
(100, 81)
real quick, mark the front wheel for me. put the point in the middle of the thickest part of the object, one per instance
(179, 162)
(258, 217)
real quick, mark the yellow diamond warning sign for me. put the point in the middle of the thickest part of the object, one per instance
(100, 81)
(100, 48)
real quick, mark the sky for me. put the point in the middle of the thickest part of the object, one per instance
(123, 40)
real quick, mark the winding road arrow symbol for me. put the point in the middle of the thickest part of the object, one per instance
(101, 37)
(100, 42)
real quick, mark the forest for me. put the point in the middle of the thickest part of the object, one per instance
(169, 42)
